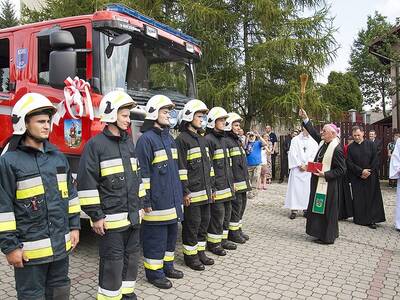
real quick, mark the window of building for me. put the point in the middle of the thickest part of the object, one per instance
(4, 65)
(79, 34)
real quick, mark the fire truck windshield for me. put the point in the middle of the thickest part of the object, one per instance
(145, 67)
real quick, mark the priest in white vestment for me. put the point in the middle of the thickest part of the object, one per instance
(394, 173)
(303, 149)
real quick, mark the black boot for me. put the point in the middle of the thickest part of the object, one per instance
(245, 236)
(208, 261)
(228, 245)
(217, 250)
(236, 237)
(193, 262)
(173, 273)
(161, 283)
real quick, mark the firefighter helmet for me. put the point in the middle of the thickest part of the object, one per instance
(232, 117)
(111, 102)
(28, 104)
(214, 114)
(191, 108)
(154, 104)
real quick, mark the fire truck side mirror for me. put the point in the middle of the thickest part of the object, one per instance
(63, 58)
(119, 40)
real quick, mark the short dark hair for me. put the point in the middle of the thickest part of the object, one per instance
(372, 130)
(356, 127)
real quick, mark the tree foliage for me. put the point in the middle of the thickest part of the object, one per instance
(373, 75)
(253, 50)
(342, 91)
(8, 16)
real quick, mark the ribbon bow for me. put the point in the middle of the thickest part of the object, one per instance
(77, 100)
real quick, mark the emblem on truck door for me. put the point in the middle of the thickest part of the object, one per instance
(22, 58)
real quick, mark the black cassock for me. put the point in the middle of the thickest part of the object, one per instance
(367, 196)
(325, 227)
(345, 198)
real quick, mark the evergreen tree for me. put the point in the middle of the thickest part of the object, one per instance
(8, 16)
(372, 74)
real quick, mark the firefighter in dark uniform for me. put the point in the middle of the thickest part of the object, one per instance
(195, 174)
(39, 206)
(109, 189)
(217, 234)
(241, 180)
(158, 158)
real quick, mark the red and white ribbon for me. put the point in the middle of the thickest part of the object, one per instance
(77, 100)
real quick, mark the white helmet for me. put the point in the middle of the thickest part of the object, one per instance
(28, 104)
(154, 104)
(180, 114)
(214, 114)
(232, 117)
(111, 102)
(191, 108)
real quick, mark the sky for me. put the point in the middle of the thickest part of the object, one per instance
(350, 16)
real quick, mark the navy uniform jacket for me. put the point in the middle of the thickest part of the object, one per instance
(195, 169)
(158, 159)
(38, 203)
(109, 183)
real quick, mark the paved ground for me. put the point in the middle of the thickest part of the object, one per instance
(279, 262)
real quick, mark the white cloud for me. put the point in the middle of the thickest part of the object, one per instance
(389, 8)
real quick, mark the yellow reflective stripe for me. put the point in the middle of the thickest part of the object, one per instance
(214, 238)
(218, 156)
(146, 183)
(142, 190)
(212, 173)
(235, 151)
(7, 221)
(134, 164)
(189, 250)
(153, 264)
(159, 156)
(112, 170)
(128, 287)
(68, 244)
(169, 256)
(219, 195)
(89, 201)
(74, 206)
(183, 174)
(193, 153)
(114, 221)
(30, 192)
(103, 294)
(8, 226)
(240, 185)
(225, 234)
(194, 156)
(161, 215)
(174, 153)
(198, 196)
(117, 224)
(89, 197)
(234, 226)
(37, 249)
(63, 187)
(201, 246)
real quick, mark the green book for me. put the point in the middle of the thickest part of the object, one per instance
(319, 204)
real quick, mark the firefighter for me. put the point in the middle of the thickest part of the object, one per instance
(110, 192)
(240, 177)
(217, 233)
(195, 174)
(39, 206)
(158, 158)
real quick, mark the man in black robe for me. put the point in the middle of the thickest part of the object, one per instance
(363, 165)
(324, 226)
(284, 157)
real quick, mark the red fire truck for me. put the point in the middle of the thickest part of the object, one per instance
(117, 47)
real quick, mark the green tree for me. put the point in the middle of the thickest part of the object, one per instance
(253, 50)
(373, 76)
(342, 91)
(8, 16)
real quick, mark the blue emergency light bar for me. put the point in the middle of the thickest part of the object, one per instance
(120, 8)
